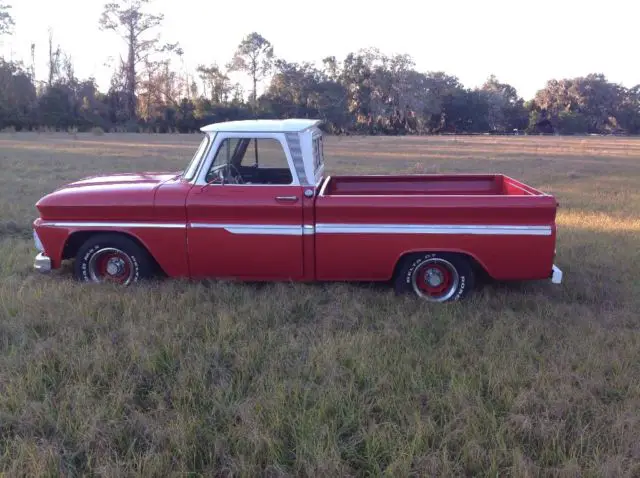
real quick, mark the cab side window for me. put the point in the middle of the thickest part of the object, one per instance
(250, 161)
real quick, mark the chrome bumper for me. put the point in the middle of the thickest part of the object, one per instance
(42, 263)
(556, 275)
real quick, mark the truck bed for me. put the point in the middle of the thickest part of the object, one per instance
(430, 185)
(504, 225)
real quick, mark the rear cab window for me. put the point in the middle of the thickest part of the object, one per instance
(318, 155)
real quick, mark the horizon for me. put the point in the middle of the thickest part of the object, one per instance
(511, 61)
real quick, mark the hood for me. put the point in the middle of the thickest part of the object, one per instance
(125, 179)
(106, 197)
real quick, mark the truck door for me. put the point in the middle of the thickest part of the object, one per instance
(244, 213)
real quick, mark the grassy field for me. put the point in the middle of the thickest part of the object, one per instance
(214, 379)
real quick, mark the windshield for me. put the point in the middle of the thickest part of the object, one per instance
(190, 171)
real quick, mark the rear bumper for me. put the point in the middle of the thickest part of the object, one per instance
(42, 263)
(556, 275)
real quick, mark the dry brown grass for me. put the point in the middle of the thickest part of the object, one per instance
(179, 378)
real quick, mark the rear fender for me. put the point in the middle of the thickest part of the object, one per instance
(476, 262)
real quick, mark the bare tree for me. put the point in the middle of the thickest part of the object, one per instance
(216, 81)
(54, 60)
(6, 21)
(160, 86)
(32, 68)
(254, 56)
(127, 19)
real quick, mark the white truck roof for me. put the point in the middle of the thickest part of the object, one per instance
(292, 125)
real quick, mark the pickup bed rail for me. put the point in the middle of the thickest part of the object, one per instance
(433, 184)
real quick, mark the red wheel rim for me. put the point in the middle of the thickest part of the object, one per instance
(111, 265)
(435, 279)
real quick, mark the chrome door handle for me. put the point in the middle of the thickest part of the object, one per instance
(287, 198)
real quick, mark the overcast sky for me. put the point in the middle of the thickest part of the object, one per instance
(523, 45)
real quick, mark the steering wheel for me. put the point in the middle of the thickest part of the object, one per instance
(216, 178)
(222, 175)
(237, 177)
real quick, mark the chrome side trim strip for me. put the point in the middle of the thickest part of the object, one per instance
(259, 229)
(432, 229)
(325, 228)
(157, 225)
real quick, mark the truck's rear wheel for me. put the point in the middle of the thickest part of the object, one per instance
(112, 258)
(435, 277)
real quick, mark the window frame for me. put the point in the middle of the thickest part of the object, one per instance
(217, 143)
(197, 159)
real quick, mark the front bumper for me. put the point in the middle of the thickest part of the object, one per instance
(42, 263)
(556, 275)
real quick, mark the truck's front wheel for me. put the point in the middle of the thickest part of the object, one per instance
(436, 277)
(112, 258)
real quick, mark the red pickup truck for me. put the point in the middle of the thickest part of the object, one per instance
(253, 204)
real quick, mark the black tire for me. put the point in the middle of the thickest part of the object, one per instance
(112, 258)
(454, 272)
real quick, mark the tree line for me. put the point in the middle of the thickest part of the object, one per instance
(366, 92)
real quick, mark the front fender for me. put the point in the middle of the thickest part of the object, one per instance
(165, 242)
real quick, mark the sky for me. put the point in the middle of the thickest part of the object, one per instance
(524, 43)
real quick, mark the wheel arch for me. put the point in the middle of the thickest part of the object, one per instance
(77, 238)
(477, 265)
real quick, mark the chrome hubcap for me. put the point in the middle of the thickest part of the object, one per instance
(434, 277)
(115, 266)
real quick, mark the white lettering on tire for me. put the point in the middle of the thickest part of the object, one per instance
(415, 264)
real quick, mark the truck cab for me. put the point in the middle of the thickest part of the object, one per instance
(252, 196)
(254, 204)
